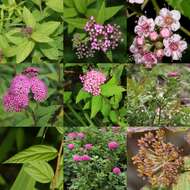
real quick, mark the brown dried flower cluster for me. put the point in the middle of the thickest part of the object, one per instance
(157, 161)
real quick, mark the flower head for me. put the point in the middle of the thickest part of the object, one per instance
(156, 160)
(39, 89)
(20, 85)
(71, 146)
(174, 47)
(113, 145)
(76, 158)
(85, 158)
(116, 170)
(15, 103)
(72, 135)
(88, 146)
(80, 135)
(145, 26)
(173, 74)
(168, 19)
(92, 81)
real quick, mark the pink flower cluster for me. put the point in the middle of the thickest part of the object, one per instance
(100, 38)
(17, 97)
(116, 170)
(79, 158)
(113, 145)
(75, 135)
(156, 38)
(92, 81)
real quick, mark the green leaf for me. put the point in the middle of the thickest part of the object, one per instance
(23, 180)
(37, 2)
(182, 5)
(3, 42)
(82, 95)
(106, 107)
(111, 11)
(113, 116)
(27, 122)
(47, 28)
(68, 3)
(109, 55)
(34, 153)
(40, 171)
(76, 22)
(101, 14)
(70, 12)
(28, 18)
(49, 51)
(23, 50)
(96, 105)
(67, 96)
(81, 5)
(38, 37)
(110, 90)
(56, 5)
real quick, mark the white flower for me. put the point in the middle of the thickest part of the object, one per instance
(174, 46)
(168, 19)
(145, 26)
(136, 1)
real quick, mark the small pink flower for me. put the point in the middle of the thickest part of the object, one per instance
(173, 74)
(140, 40)
(145, 26)
(136, 1)
(81, 135)
(88, 146)
(77, 158)
(72, 135)
(113, 145)
(165, 32)
(85, 158)
(116, 170)
(71, 146)
(153, 36)
(150, 58)
(174, 47)
(168, 19)
(92, 81)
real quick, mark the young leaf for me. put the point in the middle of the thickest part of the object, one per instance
(76, 22)
(81, 5)
(101, 14)
(47, 28)
(110, 90)
(96, 105)
(113, 116)
(37, 2)
(23, 50)
(41, 171)
(111, 11)
(106, 107)
(56, 5)
(28, 18)
(82, 95)
(42, 38)
(34, 153)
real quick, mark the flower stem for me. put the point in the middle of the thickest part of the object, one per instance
(185, 30)
(156, 6)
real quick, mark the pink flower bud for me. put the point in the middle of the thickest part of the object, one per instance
(140, 40)
(173, 74)
(159, 53)
(116, 170)
(113, 145)
(165, 33)
(71, 146)
(153, 36)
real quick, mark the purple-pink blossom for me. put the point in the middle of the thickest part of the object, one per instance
(173, 74)
(85, 158)
(116, 170)
(76, 158)
(113, 145)
(71, 146)
(80, 135)
(88, 146)
(92, 81)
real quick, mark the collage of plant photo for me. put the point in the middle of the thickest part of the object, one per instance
(94, 95)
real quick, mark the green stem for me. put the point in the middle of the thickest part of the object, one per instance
(144, 4)
(76, 115)
(88, 119)
(185, 30)
(156, 6)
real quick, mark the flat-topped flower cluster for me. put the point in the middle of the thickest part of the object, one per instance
(99, 38)
(17, 96)
(156, 38)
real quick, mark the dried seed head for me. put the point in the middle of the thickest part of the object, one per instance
(27, 31)
(157, 161)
